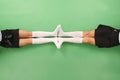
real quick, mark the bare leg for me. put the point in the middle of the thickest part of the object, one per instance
(23, 42)
(89, 34)
(25, 34)
(89, 41)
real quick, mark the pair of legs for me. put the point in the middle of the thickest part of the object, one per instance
(88, 37)
(26, 37)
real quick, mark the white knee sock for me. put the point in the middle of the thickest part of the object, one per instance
(41, 34)
(45, 40)
(45, 34)
(71, 34)
(71, 40)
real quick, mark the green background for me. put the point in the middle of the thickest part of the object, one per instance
(72, 61)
